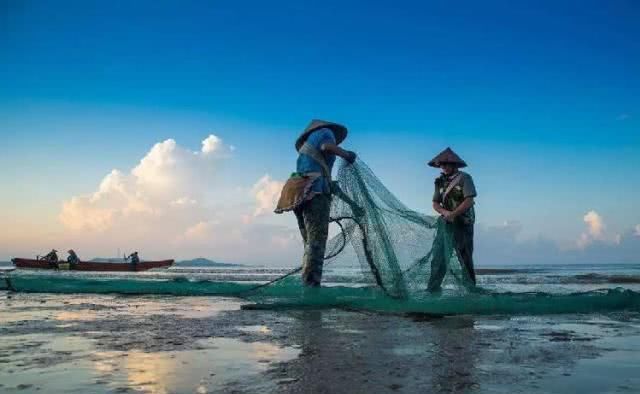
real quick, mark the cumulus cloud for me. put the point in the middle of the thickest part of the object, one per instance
(266, 193)
(637, 230)
(171, 204)
(594, 231)
(594, 224)
(167, 177)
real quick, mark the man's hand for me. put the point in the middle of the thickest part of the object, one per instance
(448, 216)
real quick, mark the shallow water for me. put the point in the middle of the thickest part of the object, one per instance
(96, 343)
(507, 290)
(529, 330)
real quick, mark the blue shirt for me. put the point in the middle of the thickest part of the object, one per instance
(307, 164)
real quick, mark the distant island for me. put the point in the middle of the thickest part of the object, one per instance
(202, 262)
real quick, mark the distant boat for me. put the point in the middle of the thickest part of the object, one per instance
(91, 265)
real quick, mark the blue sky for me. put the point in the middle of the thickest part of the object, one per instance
(542, 98)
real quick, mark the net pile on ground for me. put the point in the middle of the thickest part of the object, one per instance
(396, 247)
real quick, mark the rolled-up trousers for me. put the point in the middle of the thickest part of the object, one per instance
(313, 221)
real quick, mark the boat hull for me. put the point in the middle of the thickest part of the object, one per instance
(91, 265)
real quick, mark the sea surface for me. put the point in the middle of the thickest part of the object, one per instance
(503, 278)
(504, 290)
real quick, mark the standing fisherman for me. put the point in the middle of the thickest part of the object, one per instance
(308, 191)
(453, 198)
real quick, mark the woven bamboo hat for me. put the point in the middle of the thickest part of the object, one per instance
(447, 156)
(339, 131)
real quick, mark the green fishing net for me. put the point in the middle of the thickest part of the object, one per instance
(396, 248)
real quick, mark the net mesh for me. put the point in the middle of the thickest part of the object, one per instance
(396, 248)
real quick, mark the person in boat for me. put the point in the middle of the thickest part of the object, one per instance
(133, 259)
(51, 257)
(454, 199)
(308, 191)
(73, 258)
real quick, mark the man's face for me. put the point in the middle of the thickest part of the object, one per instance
(448, 168)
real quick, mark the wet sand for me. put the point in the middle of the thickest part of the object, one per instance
(109, 343)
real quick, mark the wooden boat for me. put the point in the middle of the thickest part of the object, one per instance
(91, 265)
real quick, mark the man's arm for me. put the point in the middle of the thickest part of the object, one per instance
(439, 208)
(462, 208)
(338, 151)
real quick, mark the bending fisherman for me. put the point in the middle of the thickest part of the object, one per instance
(453, 198)
(51, 258)
(308, 191)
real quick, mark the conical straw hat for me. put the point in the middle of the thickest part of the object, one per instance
(339, 131)
(447, 156)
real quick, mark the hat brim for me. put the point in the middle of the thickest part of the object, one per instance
(437, 164)
(339, 132)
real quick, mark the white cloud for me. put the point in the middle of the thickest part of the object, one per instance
(172, 205)
(594, 224)
(171, 171)
(637, 230)
(183, 201)
(212, 144)
(201, 231)
(594, 231)
(167, 177)
(266, 193)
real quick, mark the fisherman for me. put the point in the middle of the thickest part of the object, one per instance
(133, 260)
(453, 199)
(308, 191)
(73, 259)
(51, 258)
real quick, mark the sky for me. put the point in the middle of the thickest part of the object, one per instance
(168, 127)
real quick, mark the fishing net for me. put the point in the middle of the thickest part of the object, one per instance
(397, 249)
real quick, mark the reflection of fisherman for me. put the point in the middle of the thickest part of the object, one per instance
(133, 260)
(308, 191)
(454, 199)
(73, 259)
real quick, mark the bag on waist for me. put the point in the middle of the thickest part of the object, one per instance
(296, 191)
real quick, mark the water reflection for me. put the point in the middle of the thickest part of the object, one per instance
(205, 370)
(454, 358)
